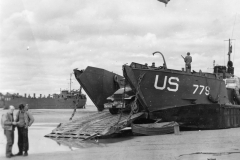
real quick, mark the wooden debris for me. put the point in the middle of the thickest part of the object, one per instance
(97, 124)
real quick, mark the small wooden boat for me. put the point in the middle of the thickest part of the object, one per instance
(152, 127)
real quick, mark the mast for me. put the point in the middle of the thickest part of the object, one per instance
(229, 48)
(230, 68)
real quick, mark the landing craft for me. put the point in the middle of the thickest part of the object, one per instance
(155, 94)
(193, 99)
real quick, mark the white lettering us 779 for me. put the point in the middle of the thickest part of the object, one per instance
(201, 88)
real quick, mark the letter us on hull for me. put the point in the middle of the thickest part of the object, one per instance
(98, 84)
(166, 88)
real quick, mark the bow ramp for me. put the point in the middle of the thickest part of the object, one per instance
(97, 124)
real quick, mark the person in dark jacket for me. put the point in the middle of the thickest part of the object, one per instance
(24, 120)
(8, 125)
(188, 61)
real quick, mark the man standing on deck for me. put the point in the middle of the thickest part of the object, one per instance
(8, 123)
(188, 61)
(24, 120)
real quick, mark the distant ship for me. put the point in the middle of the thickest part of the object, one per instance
(65, 100)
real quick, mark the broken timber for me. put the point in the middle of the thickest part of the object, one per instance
(97, 124)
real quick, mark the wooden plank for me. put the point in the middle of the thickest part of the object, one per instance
(99, 124)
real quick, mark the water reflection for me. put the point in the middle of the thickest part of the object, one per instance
(78, 143)
(95, 142)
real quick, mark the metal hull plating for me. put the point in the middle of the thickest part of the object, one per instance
(207, 116)
(195, 100)
(161, 89)
(98, 84)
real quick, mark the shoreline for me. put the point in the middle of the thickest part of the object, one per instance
(219, 144)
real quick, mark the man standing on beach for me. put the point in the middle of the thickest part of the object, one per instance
(8, 123)
(24, 120)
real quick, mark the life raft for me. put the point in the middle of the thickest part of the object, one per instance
(152, 127)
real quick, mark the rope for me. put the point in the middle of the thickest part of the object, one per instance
(74, 111)
(234, 24)
(234, 52)
(76, 104)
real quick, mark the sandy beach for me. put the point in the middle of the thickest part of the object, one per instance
(191, 145)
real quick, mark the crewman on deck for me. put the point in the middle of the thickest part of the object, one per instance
(188, 61)
(153, 65)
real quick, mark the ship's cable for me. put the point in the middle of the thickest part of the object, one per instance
(134, 104)
(234, 25)
(76, 103)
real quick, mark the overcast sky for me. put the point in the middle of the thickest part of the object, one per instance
(42, 41)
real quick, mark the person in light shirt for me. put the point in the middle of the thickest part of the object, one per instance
(8, 126)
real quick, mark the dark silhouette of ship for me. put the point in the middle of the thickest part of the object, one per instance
(64, 100)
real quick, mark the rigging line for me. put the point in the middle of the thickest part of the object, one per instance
(224, 52)
(234, 25)
(234, 52)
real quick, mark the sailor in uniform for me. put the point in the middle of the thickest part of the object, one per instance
(188, 61)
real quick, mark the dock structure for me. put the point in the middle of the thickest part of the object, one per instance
(96, 124)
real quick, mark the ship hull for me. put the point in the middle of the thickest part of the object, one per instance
(202, 116)
(45, 103)
(161, 89)
(194, 100)
(98, 84)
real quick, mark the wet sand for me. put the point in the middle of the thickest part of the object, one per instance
(189, 145)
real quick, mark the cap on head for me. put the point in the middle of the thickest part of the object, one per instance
(188, 53)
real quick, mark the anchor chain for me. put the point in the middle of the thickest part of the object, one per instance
(138, 88)
(134, 104)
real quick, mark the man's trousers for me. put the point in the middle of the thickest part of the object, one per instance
(23, 139)
(10, 140)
